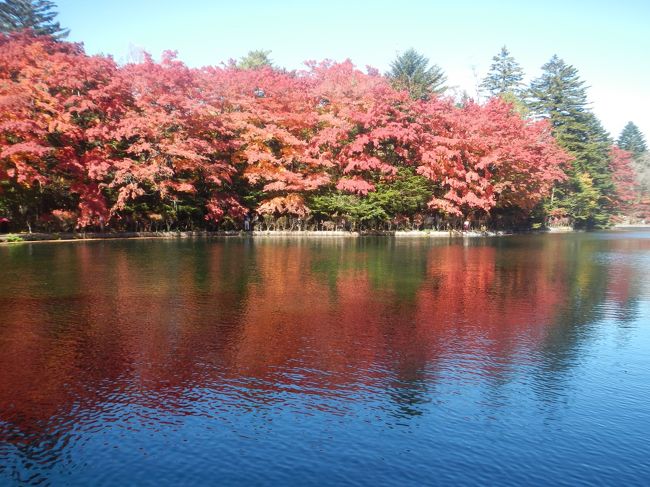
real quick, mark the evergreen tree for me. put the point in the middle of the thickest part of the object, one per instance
(505, 75)
(560, 96)
(255, 60)
(38, 15)
(631, 139)
(410, 71)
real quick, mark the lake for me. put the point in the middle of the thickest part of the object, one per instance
(521, 360)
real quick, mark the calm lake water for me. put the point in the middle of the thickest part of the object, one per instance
(519, 360)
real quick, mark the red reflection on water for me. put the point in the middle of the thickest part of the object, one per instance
(144, 325)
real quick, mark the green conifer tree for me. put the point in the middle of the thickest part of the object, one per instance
(631, 139)
(37, 15)
(255, 60)
(560, 96)
(410, 71)
(505, 75)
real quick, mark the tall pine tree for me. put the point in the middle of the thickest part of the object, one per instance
(37, 15)
(505, 75)
(631, 139)
(560, 96)
(410, 71)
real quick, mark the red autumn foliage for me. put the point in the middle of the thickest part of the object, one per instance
(51, 95)
(624, 178)
(486, 156)
(116, 142)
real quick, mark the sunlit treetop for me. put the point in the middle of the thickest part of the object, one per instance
(410, 71)
(505, 75)
(255, 60)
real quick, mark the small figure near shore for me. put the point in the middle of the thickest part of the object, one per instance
(4, 225)
(466, 226)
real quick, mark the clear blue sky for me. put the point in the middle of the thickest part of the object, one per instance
(607, 41)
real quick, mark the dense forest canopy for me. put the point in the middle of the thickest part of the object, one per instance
(89, 144)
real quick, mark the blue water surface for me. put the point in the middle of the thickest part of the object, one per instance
(521, 360)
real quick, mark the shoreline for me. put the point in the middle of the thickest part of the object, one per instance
(36, 237)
